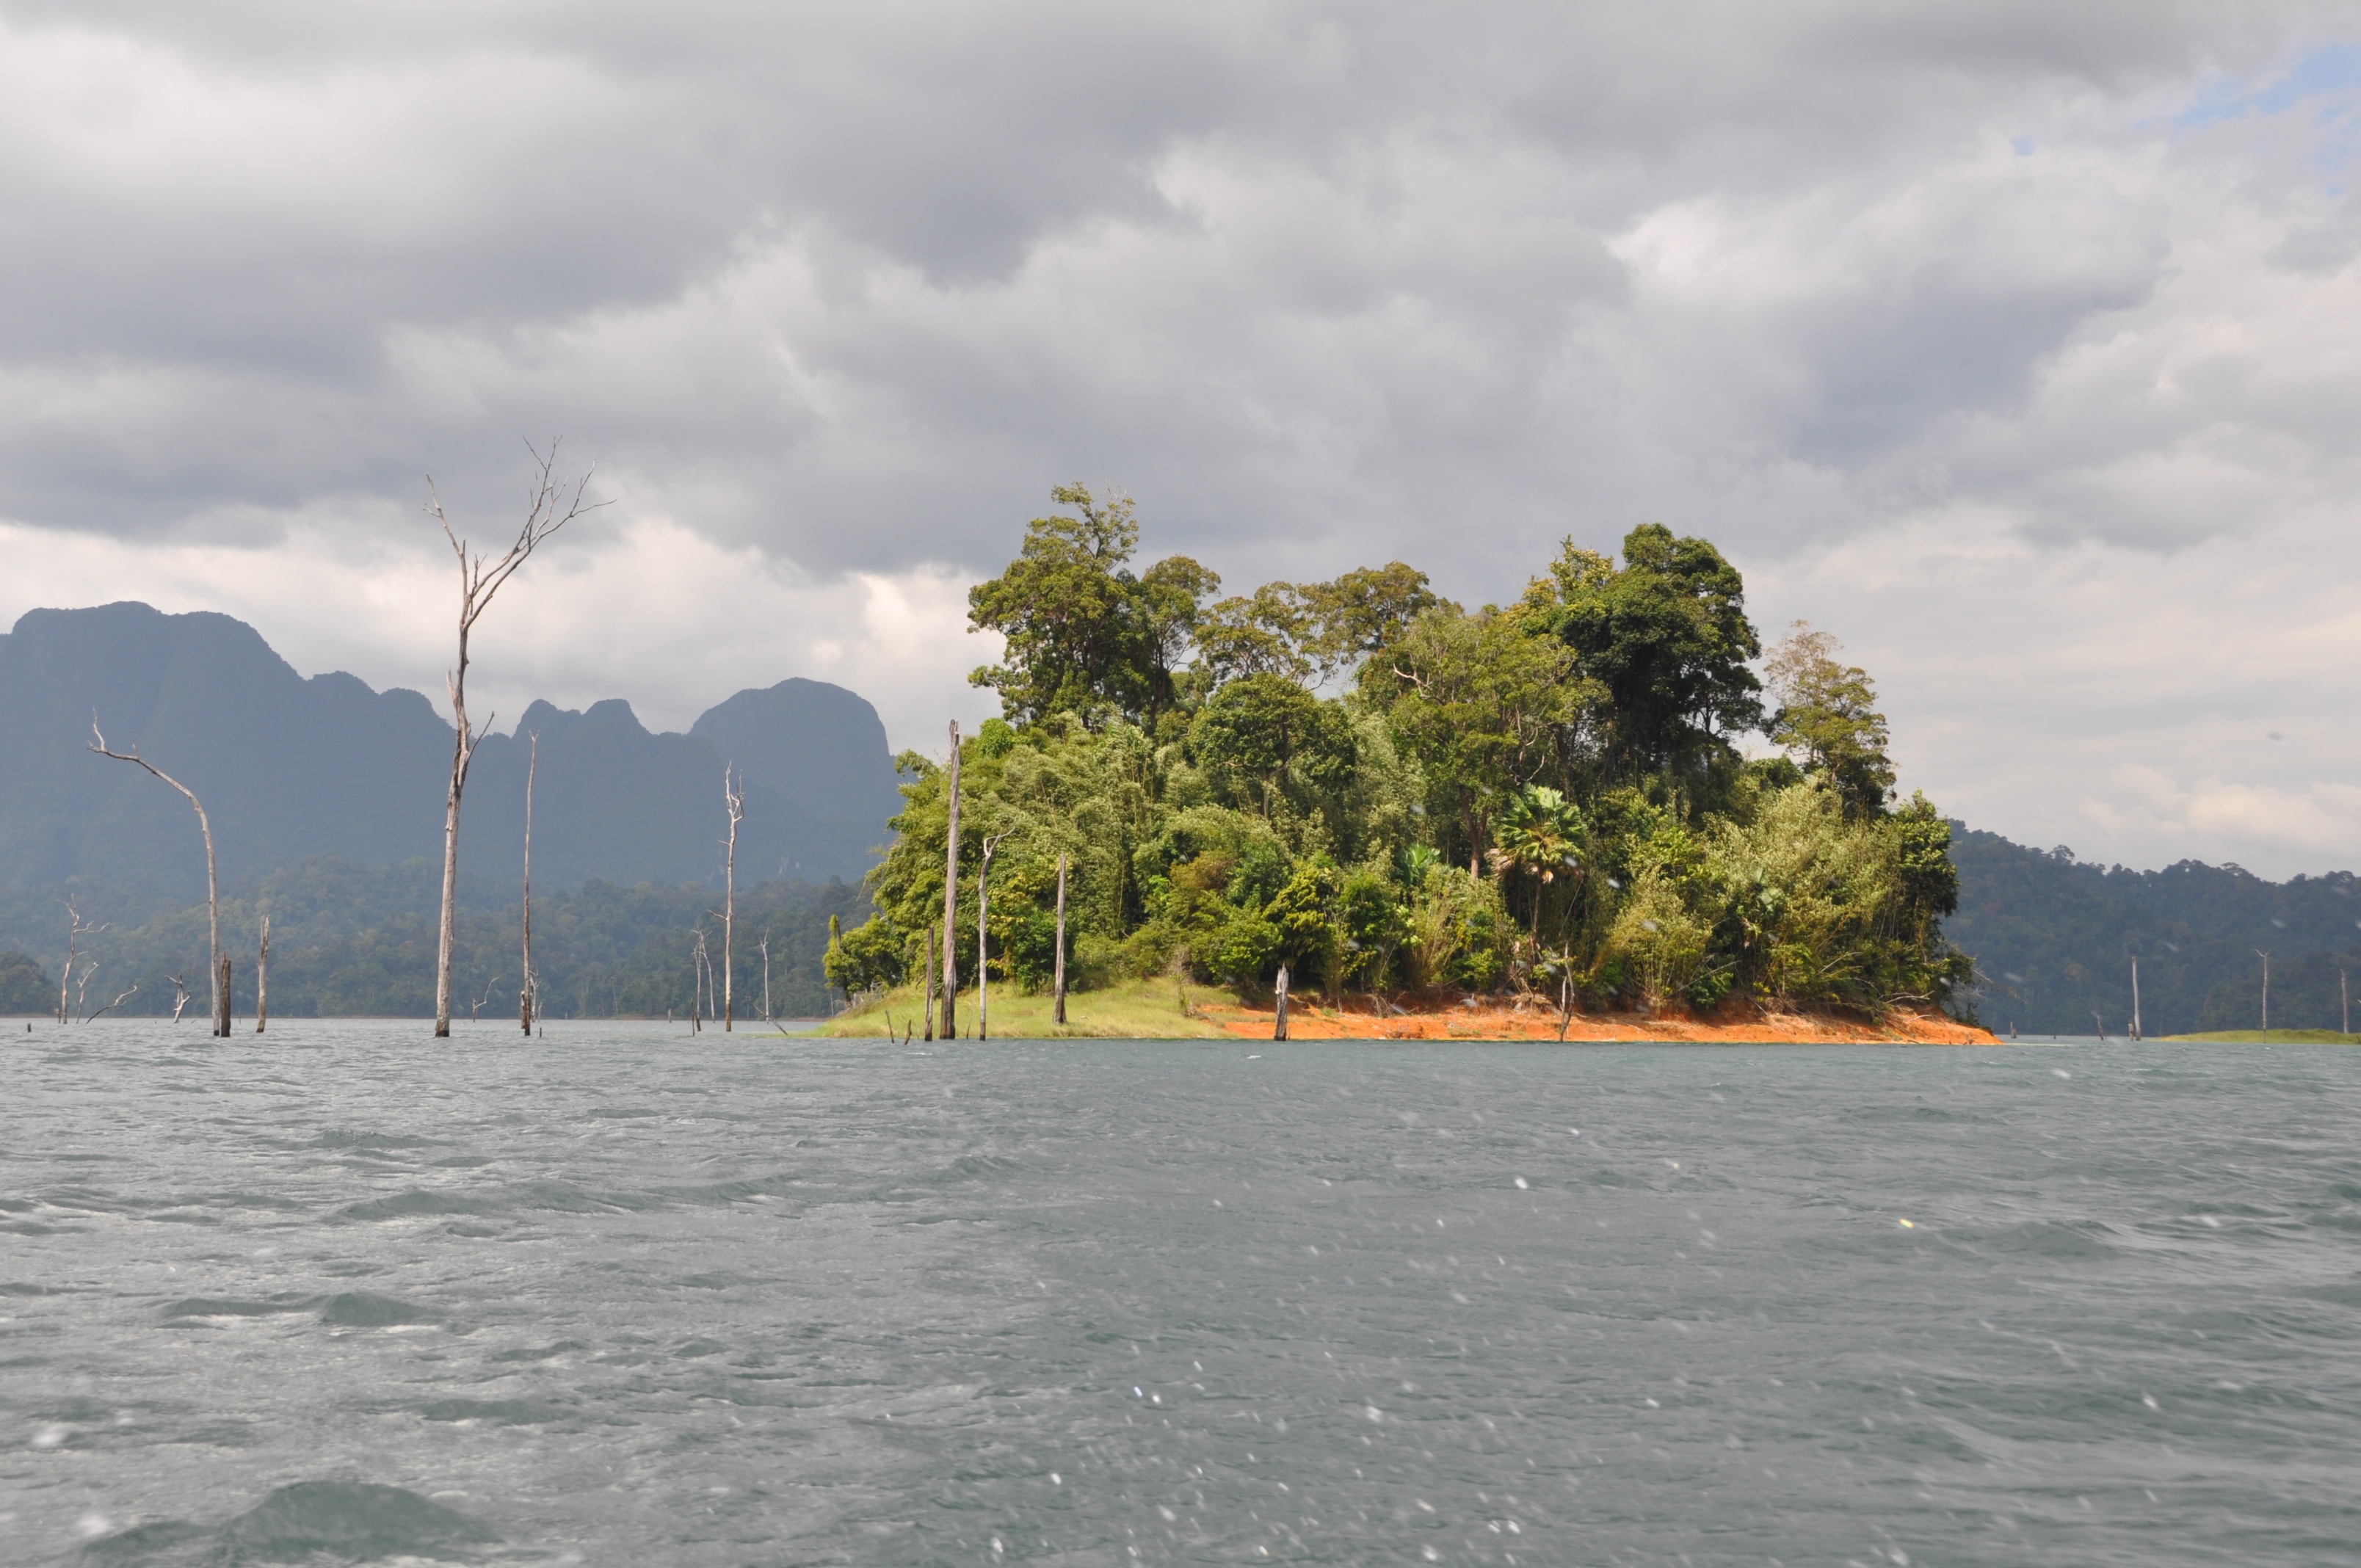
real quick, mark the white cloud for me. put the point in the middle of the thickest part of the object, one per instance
(2015, 342)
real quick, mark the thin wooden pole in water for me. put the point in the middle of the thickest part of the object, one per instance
(2266, 988)
(262, 981)
(2345, 996)
(983, 974)
(930, 982)
(221, 1001)
(1058, 987)
(1279, 1025)
(2136, 1017)
(525, 997)
(951, 899)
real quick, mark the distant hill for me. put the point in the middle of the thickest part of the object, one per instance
(2053, 937)
(291, 769)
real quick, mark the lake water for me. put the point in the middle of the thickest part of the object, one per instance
(629, 1296)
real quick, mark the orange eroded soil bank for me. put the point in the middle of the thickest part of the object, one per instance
(1310, 1020)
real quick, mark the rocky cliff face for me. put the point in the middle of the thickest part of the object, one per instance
(290, 767)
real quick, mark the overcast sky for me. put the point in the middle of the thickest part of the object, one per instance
(2016, 343)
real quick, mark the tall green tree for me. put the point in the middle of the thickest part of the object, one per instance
(1665, 635)
(1827, 718)
(1085, 634)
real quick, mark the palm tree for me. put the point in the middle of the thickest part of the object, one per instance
(1540, 834)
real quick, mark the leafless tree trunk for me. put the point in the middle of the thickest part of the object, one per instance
(213, 883)
(220, 1000)
(1279, 1023)
(76, 929)
(528, 993)
(767, 1018)
(950, 900)
(113, 1004)
(930, 982)
(733, 800)
(548, 509)
(1058, 986)
(180, 995)
(82, 994)
(982, 940)
(262, 981)
(475, 1008)
(697, 985)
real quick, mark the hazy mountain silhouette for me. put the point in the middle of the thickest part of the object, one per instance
(289, 768)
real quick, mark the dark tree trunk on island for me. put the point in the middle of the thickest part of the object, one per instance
(1057, 986)
(951, 899)
(220, 1000)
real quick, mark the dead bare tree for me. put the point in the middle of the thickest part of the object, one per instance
(262, 981)
(930, 982)
(1058, 986)
(528, 993)
(475, 1008)
(951, 899)
(697, 984)
(767, 1018)
(733, 800)
(180, 995)
(983, 973)
(76, 929)
(481, 575)
(113, 1004)
(82, 994)
(213, 883)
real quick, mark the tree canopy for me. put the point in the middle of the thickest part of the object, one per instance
(1379, 788)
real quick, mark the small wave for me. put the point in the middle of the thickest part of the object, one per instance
(358, 1310)
(623, 1113)
(217, 1307)
(496, 1412)
(2042, 1238)
(548, 1197)
(353, 1519)
(543, 1352)
(350, 1140)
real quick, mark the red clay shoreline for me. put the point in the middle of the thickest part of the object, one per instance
(1307, 1019)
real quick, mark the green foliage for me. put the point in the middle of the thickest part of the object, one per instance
(1569, 757)
(1665, 635)
(1827, 718)
(872, 955)
(1085, 634)
(24, 986)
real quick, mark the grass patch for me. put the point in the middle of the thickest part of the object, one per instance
(2271, 1037)
(1137, 1010)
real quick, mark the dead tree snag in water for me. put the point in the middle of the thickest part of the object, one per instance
(213, 883)
(528, 993)
(734, 801)
(481, 575)
(951, 899)
(262, 981)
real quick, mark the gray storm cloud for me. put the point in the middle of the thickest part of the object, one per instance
(2011, 342)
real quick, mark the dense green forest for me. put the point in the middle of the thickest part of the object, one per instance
(356, 941)
(1384, 791)
(2055, 937)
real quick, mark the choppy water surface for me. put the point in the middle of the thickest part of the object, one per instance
(623, 1296)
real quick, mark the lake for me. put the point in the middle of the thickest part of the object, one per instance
(626, 1295)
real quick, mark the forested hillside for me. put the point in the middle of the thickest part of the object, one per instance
(359, 941)
(2054, 939)
(290, 768)
(1544, 796)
